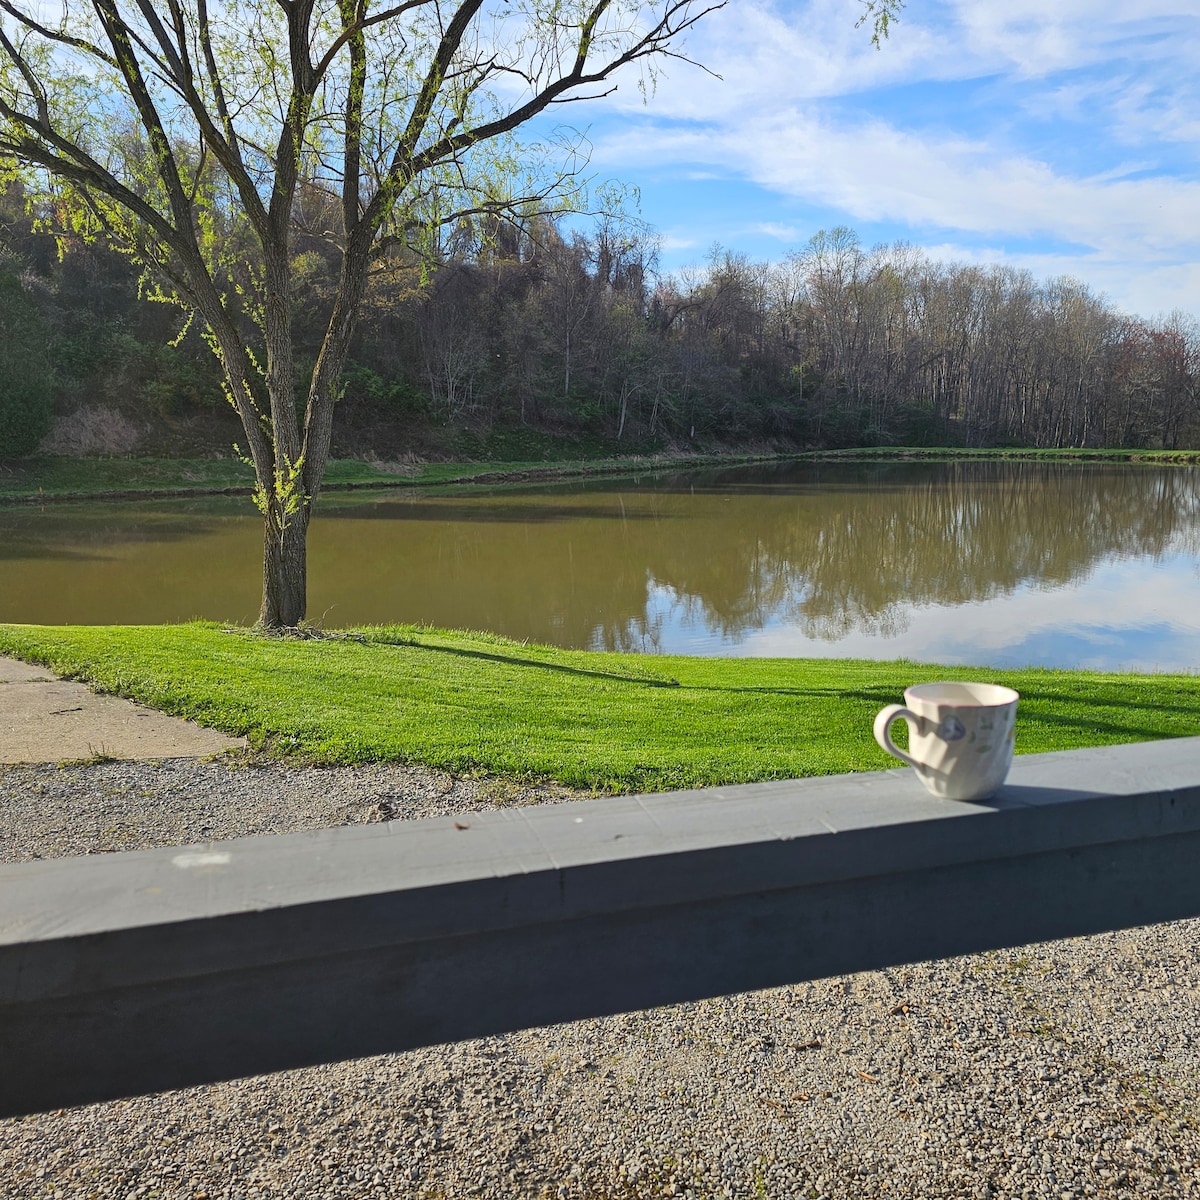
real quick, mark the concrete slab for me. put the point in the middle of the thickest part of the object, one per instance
(47, 719)
(12, 670)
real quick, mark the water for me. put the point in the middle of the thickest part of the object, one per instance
(1074, 565)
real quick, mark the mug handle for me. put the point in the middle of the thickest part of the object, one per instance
(883, 725)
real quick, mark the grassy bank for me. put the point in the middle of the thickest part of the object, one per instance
(61, 479)
(1005, 453)
(474, 702)
(42, 479)
(136, 478)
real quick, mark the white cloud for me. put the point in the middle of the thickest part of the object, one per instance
(669, 241)
(1035, 38)
(1148, 289)
(1075, 124)
(773, 229)
(875, 171)
(766, 51)
(1140, 110)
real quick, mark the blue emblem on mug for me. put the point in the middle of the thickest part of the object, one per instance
(951, 729)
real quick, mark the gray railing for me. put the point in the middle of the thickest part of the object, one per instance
(128, 973)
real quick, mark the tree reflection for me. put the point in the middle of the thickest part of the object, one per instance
(826, 550)
(834, 556)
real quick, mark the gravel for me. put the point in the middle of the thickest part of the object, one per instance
(1062, 1070)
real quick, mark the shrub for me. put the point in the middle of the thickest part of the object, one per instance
(92, 432)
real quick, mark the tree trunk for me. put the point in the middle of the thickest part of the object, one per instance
(285, 574)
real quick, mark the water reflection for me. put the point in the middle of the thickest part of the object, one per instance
(961, 562)
(858, 556)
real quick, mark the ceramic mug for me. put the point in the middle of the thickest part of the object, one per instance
(960, 736)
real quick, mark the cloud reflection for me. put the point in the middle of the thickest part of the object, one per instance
(1135, 614)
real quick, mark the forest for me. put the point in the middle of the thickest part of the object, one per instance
(573, 331)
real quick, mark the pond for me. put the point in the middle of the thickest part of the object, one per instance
(1057, 564)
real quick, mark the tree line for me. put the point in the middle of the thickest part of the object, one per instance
(577, 330)
(835, 346)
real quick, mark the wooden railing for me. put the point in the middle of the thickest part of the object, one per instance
(129, 973)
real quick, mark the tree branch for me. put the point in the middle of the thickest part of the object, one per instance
(436, 75)
(35, 85)
(52, 35)
(224, 141)
(651, 43)
(118, 35)
(360, 26)
(352, 12)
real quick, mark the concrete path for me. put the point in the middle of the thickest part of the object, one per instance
(47, 719)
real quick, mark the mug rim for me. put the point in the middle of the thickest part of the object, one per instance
(1004, 695)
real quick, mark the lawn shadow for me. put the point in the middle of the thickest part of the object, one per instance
(509, 660)
(1040, 698)
(880, 695)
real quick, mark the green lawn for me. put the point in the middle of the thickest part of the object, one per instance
(71, 478)
(618, 722)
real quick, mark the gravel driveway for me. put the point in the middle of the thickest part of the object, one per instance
(1068, 1069)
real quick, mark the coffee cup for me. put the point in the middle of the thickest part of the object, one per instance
(960, 736)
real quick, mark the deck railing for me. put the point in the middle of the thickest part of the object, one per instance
(129, 973)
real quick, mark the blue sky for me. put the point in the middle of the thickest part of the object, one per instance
(1058, 135)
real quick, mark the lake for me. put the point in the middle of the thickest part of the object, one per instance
(1013, 564)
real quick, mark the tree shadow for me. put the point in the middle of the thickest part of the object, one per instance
(511, 660)
(1042, 698)
(880, 695)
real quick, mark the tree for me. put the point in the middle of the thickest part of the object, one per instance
(26, 408)
(208, 143)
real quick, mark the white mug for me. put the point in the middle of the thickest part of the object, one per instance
(960, 736)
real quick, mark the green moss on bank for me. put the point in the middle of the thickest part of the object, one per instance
(616, 722)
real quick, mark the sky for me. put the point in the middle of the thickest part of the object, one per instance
(1061, 136)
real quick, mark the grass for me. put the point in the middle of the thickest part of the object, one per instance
(42, 479)
(614, 722)
(143, 478)
(76, 478)
(1063, 454)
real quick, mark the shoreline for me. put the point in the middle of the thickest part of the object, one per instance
(487, 474)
